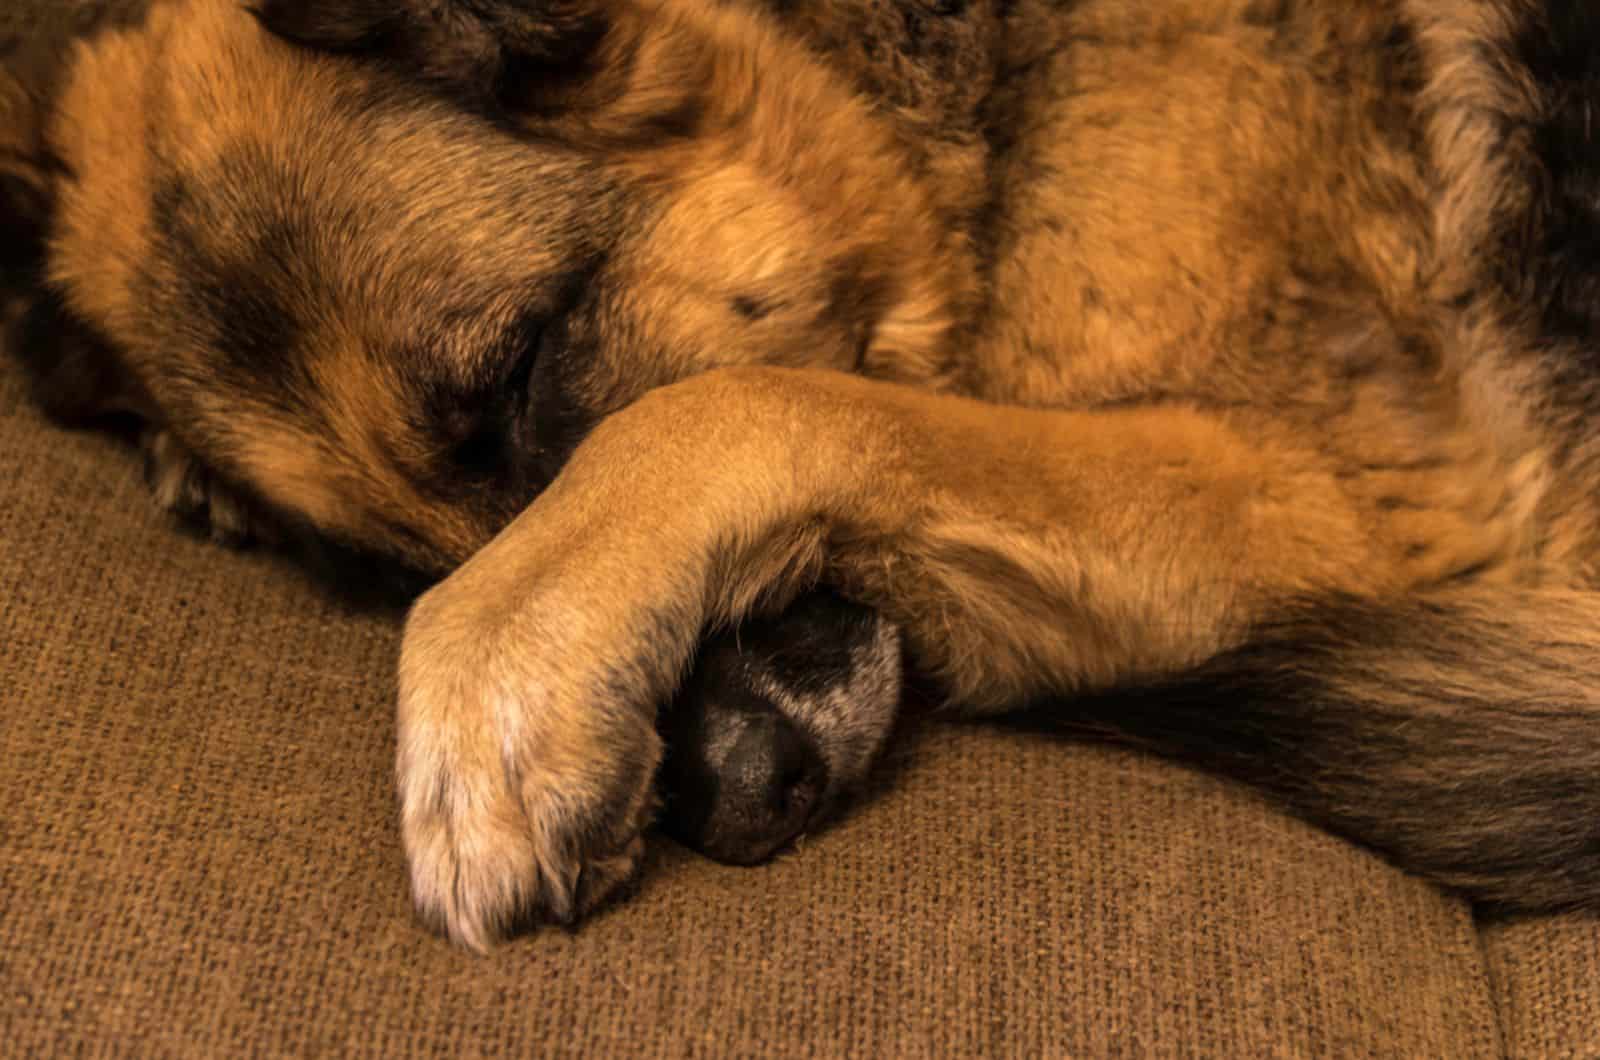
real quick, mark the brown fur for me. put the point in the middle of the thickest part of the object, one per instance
(1083, 341)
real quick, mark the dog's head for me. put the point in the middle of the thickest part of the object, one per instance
(381, 265)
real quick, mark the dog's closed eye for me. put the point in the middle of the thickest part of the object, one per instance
(485, 423)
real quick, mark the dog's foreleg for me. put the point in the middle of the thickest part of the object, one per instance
(1022, 552)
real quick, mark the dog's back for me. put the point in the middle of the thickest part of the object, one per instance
(1442, 356)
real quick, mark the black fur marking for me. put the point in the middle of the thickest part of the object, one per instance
(809, 647)
(691, 784)
(237, 301)
(534, 81)
(855, 297)
(1552, 258)
(1456, 738)
(347, 26)
(36, 36)
(356, 577)
(495, 53)
(70, 366)
(256, 331)
(560, 419)
(681, 122)
(1270, 13)
(26, 205)
(560, 415)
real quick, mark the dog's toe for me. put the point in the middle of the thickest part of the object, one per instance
(191, 491)
(523, 796)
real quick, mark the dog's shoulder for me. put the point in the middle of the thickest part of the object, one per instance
(1552, 258)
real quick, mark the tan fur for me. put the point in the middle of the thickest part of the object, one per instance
(1204, 338)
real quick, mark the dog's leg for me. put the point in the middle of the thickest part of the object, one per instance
(1022, 553)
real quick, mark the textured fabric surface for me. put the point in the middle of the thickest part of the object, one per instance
(1546, 976)
(199, 856)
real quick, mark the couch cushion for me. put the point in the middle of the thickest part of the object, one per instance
(1546, 977)
(198, 855)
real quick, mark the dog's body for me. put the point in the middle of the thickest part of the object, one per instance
(1214, 372)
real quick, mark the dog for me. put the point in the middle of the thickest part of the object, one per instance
(1214, 375)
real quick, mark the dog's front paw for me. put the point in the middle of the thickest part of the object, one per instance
(525, 774)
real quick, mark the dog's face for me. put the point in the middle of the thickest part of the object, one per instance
(383, 266)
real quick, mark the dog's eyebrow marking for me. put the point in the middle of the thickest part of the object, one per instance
(256, 332)
(238, 295)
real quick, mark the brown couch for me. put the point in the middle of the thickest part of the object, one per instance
(199, 856)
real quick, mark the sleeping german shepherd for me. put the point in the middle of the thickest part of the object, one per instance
(1216, 375)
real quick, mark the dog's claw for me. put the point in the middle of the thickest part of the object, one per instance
(189, 490)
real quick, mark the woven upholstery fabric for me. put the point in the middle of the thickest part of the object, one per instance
(199, 856)
(1546, 977)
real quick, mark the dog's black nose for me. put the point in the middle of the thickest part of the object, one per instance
(763, 794)
(770, 784)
